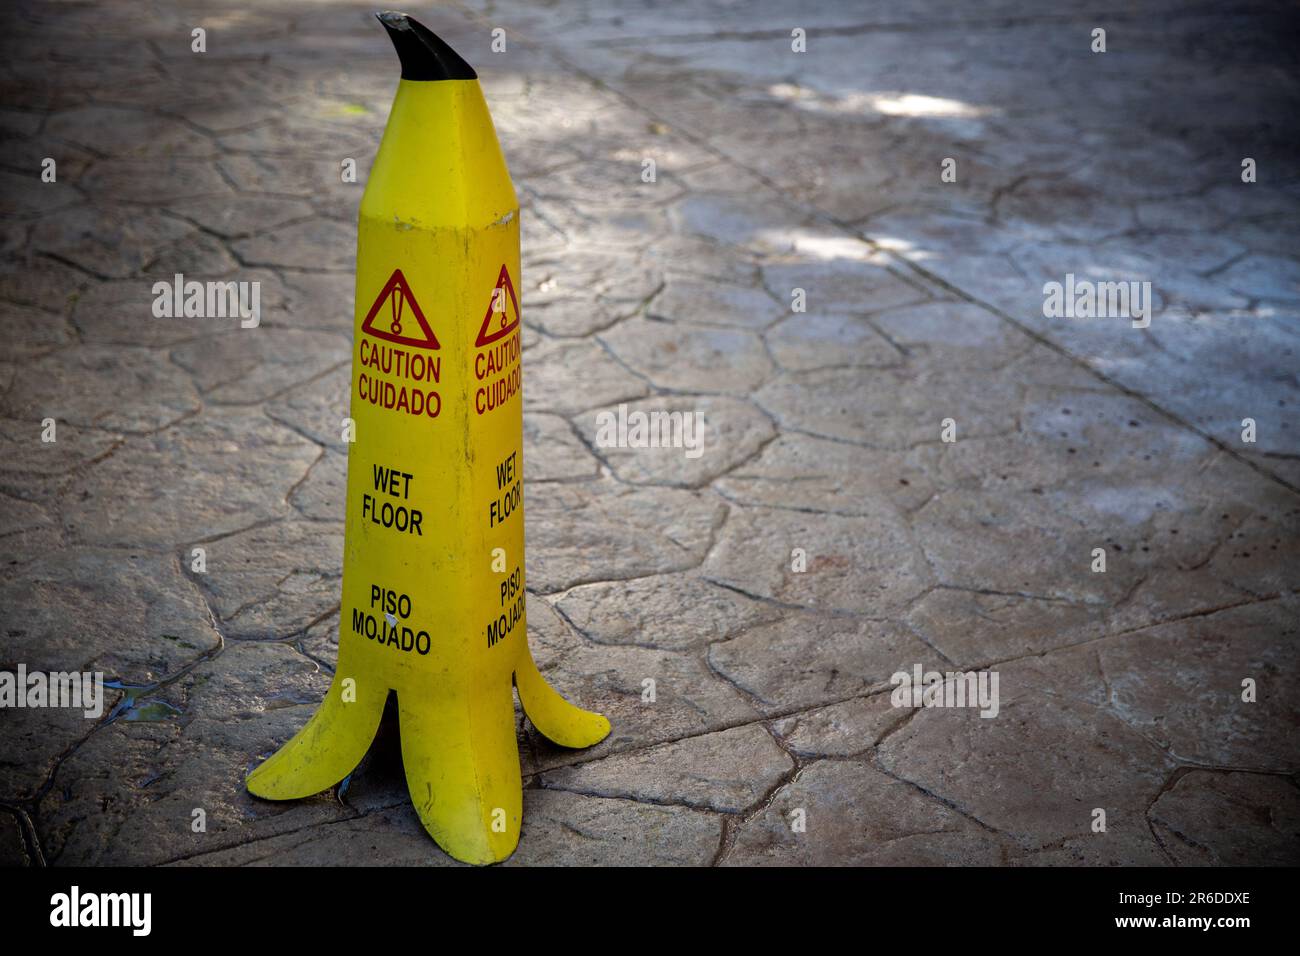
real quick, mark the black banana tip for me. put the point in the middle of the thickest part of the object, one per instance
(423, 54)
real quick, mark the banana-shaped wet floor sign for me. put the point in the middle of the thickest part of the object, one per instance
(433, 568)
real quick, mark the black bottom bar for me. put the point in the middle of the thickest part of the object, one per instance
(329, 906)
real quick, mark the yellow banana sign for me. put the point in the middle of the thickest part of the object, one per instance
(433, 569)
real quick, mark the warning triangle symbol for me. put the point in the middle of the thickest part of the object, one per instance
(397, 317)
(502, 316)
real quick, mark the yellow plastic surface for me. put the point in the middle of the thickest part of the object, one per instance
(431, 609)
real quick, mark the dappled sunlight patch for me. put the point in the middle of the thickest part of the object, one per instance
(917, 104)
(903, 247)
(890, 103)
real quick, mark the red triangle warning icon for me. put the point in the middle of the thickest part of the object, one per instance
(502, 314)
(397, 317)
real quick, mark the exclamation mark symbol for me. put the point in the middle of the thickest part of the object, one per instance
(397, 310)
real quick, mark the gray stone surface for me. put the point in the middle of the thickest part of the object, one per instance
(725, 771)
(746, 688)
(1233, 819)
(856, 815)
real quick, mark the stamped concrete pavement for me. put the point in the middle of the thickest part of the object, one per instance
(912, 178)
